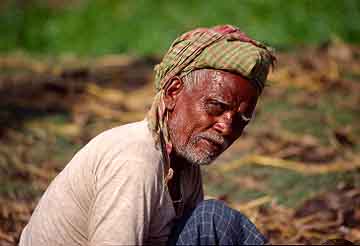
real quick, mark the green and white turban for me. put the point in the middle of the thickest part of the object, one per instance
(221, 47)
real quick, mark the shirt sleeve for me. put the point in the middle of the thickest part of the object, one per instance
(127, 193)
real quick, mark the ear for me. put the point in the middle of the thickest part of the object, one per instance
(172, 92)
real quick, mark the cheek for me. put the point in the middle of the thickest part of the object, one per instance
(201, 120)
(189, 122)
(193, 124)
(182, 125)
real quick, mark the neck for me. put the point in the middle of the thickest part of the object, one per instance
(178, 163)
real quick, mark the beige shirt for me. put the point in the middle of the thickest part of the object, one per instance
(111, 193)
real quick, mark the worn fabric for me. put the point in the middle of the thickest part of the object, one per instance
(213, 223)
(221, 47)
(111, 193)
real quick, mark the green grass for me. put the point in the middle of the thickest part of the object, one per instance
(18, 189)
(287, 187)
(99, 27)
(323, 114)
(64, 150)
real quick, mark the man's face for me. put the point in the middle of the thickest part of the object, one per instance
(208, 117)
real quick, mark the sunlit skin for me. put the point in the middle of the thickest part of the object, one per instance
(207, 118)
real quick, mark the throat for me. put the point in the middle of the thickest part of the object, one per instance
(174, 186)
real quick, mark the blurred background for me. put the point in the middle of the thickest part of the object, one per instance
(71, 69)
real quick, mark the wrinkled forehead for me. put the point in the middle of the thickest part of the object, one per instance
(225, 86)
(219, 77)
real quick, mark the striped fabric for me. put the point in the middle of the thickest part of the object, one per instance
(221, 47)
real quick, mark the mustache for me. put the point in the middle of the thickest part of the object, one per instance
(216, 139)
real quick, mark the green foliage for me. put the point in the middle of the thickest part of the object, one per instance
(145, 27)
(288, 187)
(16, 188)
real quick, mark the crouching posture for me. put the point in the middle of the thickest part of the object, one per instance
(140, 183)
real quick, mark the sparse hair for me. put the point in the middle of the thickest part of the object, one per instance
(193, 78)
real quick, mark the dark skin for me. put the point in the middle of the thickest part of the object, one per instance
(209, 116)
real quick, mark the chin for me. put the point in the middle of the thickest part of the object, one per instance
(196, 156)
(201, 159)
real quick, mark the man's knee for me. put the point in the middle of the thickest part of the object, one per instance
(217, 211)
(230, 222)
(214, 221)
(219, 214)
(213, 206)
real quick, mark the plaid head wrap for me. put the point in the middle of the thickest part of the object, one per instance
(220, 47)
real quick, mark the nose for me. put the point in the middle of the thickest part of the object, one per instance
(223, 124)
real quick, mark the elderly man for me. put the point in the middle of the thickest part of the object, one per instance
(140, 183)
